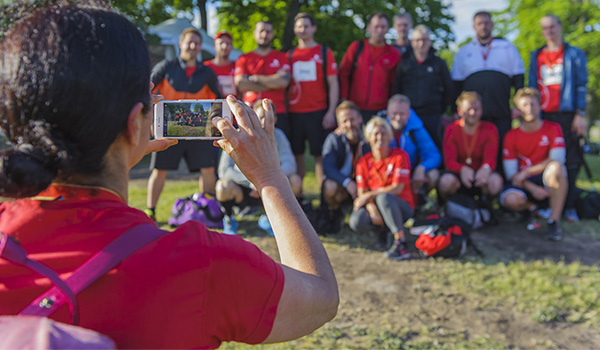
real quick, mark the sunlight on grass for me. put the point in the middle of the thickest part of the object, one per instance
(545, 290)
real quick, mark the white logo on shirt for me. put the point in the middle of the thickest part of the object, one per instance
(275, 64)
(317, 58)
(551, 75)
(544, 141)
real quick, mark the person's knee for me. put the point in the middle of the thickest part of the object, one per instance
(554, 174)
(494, 184)
(296, 184)
(514, 201)
(359, 220)
(448, 184)
(225, 190)
(330, 189)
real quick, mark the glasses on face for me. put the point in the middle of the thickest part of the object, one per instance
(421, 40)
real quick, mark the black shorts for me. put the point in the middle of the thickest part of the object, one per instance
(471, 192)
(197, 155)
(307, 126)
(538, 180)
(572, 146)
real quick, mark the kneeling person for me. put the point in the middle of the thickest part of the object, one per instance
(470, 149)
(411, 136)
(534, 158)
(384, 196)
(234, 189)
(341, 151)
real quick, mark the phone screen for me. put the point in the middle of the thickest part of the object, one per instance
(191, 119)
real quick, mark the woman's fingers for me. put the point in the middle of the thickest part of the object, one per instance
(159, 145)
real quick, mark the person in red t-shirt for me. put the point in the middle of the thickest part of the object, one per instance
(264, 73)
(534, 158)
(470, 149)
(384, 194)
(313, 94)
(368, 81)
(190, 288)
(221, 65)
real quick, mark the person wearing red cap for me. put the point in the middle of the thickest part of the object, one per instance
(221, 65)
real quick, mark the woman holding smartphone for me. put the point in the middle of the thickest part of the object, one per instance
(76, 106)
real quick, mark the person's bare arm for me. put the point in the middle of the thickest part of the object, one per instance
(329, 121)
(310, 294)
(244, 84)
(279, 80)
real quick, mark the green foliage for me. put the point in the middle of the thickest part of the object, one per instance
(339, 22)
(581, 28)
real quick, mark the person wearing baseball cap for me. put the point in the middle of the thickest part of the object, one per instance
(221, 65)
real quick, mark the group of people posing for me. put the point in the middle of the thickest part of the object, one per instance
(377, 127)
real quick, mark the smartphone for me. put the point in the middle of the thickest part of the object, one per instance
(189, 119)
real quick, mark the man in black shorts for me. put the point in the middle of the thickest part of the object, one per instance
(313, 93)
(184, 77)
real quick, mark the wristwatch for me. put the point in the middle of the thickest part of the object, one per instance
(252, 79)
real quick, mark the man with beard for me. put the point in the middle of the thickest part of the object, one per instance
(184, 78)
(367, 69)
(264, 73)
(489, 66)
(470, 148)
(341, 152)
(402, 24)
(534, 158)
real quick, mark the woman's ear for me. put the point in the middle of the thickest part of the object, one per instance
(134, 124)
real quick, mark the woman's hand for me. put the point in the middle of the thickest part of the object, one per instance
(251, 147)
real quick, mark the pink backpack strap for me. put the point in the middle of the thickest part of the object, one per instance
(102, 262)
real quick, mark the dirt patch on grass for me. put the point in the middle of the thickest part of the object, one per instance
(383, 295)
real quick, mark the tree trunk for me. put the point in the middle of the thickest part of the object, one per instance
(288, 33)
(203, 14)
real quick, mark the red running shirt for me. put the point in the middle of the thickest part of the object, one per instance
(225, 75)
(395, 169)
(531, 148)
(550, 74)
(190, 288)
(252, 63)
(308, 91)
(484, 151)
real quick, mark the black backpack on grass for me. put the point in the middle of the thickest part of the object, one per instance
(588, 204)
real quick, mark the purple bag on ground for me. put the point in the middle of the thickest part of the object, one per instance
(199, 208)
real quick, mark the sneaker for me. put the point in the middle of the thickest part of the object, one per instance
(554, 231)
(571, 215)
(533, 224)
(544, 213)
(398, 251)
(246, 211)
(151, 214)
(264, 224)
(230, 225)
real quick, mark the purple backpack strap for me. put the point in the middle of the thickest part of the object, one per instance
(102, 262)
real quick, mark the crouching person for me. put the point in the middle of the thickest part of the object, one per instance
(470, 152)
(534, 158)
(234, 189)
(384, 199)
(341, 151)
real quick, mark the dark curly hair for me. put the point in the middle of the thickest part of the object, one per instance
(69, 75)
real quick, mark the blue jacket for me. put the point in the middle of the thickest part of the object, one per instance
(337, 157)
(574, 79)
(425, 152)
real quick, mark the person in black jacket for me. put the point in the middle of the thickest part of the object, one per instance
(424, 78)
